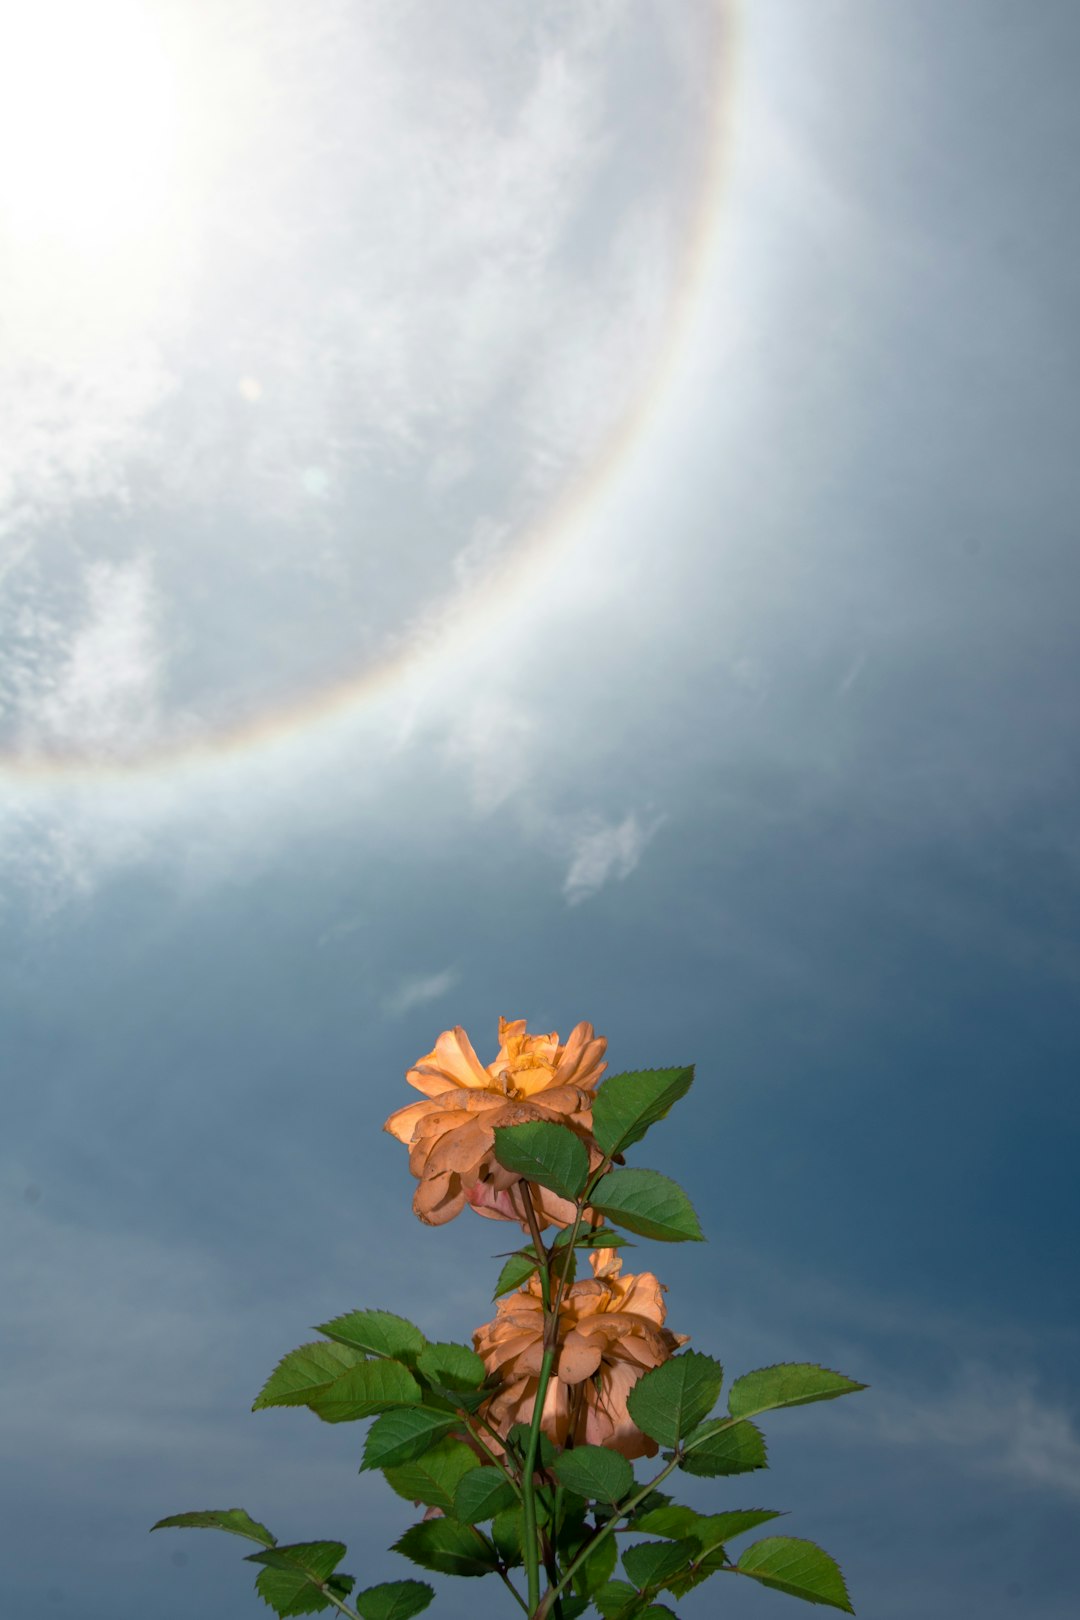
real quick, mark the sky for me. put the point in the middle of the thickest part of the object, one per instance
(565, 512)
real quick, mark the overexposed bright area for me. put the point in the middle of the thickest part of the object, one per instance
(90, 124)
(314, 319)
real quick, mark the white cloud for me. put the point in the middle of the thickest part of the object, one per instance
(414, 992)
(992, 1424)
(494, 739)
(99, 689)
(606, 852)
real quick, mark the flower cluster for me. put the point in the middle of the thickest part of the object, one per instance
(611, 1328)
(532, 1431)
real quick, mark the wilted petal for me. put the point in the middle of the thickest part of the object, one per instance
(608, 1421)
(461, 1149)
(579, 1358)
(439, 1199)
(403, 1124)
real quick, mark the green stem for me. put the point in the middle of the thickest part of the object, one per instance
(529, 1537)
(569, 1250)
(483, 1423)
(499, 1462)
(512, 1589)
(336, 1601)
(606, 1530)
(543, 1258)
(552, 1307)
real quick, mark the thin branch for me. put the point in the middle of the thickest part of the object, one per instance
(336, 1601)
(529, 1537)
(499, 1462)
(510, 1587)
(542, 1256)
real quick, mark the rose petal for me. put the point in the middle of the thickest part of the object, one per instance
(579, 1357)
(452, 1061)
(403, 1123)
(582, 1062)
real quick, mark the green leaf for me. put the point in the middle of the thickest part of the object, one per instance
(671, 1520)
(403, 1434)
(797, 1567)
(648, 1203)
(517, 1270)
(451, 1366)
(652, 1563)
(380, 1333)
(296, 1575)
(373, 1386)
(289, 1592)
(234, 1520)
(304, 1373)
(572, 1607)
(564, 1265)
(706, 1533)
(795, 1383)
(549, 1154)
(598, 1568)
(716, 1529)
(707, 1564)
(571, 1531)
(627, 1105)
(672, 1399)
(723, 1447)
(481, 1493)
(604, 1237)
(522, 1263)
(517, 1438)
(447, 1547)
(655, 1499)
(316, 1559)
(614, 1598)
(595, 1472)
(506, 1534)
(393, 1600)
(434, 1478)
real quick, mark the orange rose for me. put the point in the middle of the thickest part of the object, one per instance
(611, 1330)
(450, 1134)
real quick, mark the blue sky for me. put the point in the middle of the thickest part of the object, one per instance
(680, 411)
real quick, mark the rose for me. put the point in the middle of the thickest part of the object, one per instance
(611, 1331)
(450, 1134)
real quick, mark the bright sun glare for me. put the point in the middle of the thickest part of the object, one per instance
(88, 122)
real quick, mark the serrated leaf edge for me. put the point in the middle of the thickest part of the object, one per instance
(754, 1574)
(779, 1366)
(169, 1523)
(701, 1238)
